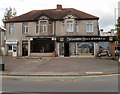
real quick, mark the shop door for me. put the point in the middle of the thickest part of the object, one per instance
(24, 48)
(66, 49)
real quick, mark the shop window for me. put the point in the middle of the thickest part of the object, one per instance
(69, 26)
(104, 46)
(43, 26)
(83, 48)
(10, 48)
(11, 29)
(25, 28)
(42, 45)
(89, 26)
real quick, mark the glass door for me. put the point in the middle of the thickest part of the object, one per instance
(61, 49)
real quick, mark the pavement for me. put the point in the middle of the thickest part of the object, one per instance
(58, 66)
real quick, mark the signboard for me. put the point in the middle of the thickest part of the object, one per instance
(85, 38)
(11, 41)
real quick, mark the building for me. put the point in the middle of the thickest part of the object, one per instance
(65, 31)
(2, 40)
(112, 32)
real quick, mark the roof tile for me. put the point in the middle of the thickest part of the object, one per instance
(53, 14)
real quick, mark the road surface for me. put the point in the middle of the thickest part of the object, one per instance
(101, 83)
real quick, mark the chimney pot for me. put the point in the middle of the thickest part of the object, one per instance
(59, 6)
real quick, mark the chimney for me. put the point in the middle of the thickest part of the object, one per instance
(59, 6)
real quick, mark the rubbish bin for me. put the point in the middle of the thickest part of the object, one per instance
(2, 66)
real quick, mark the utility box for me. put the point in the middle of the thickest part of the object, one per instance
(2, 66)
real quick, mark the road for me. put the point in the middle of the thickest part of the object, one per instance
(101, 83)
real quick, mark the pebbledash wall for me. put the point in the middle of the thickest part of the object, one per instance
(65, 31)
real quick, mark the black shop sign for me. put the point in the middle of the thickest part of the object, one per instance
(85, 39)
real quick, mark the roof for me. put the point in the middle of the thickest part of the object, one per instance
(53, 14)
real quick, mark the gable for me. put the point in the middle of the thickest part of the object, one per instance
(70, 16)
(43, 17)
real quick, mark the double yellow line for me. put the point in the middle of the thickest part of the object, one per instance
(60, 76)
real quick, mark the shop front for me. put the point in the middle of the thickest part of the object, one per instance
(40, 47)
(12, 47)
(82, 45)
(76, 49)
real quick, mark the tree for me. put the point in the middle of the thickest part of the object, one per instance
(118, 30)
(9, 13)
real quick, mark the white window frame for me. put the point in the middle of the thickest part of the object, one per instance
(68, 29)
(25, 28)
(12, 28)
(43, 26)
(88, 27)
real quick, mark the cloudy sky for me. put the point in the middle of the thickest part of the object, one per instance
(104, 9)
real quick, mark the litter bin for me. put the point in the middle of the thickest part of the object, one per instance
(2, 66)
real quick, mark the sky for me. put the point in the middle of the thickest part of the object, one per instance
(104, 9)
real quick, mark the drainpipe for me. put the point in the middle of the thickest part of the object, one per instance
(55, 37)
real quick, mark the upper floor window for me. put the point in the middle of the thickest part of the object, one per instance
(69, 26)
(11, 28)
(25, 28)
(89, 26)
(43, 26)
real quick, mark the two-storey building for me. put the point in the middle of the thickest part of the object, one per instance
(2, 40)
(65, 31)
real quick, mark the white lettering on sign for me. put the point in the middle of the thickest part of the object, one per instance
(86, 39)
(11, 41)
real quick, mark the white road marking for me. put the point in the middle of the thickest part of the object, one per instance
(94, 72)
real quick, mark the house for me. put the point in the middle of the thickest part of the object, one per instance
(65, 31)
(2, 40)
(112, 32)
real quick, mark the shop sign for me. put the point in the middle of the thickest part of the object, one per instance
(11, 41)
(85, 38)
